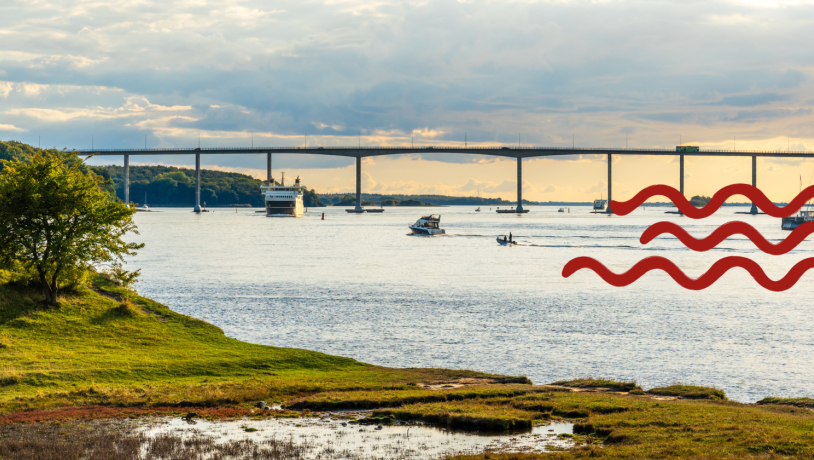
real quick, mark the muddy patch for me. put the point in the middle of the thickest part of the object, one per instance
(332, 436)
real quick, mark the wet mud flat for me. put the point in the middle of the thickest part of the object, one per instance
(326, 437)
(333, 436)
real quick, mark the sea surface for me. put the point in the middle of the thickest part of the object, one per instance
(360, 286)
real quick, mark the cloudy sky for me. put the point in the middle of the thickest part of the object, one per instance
(596, 73)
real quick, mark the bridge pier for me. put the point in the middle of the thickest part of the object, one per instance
(681, 179)
(358, 209)
(610, 183)
(358, 183)
(519, 208)
(197, 183)
(754, 182)
(127, 180)
(268, 169)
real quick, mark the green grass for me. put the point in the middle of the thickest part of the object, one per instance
(797, 402)
(590, 382)
(338, 400)
(640, 427)
(98, 349)
(688, 392)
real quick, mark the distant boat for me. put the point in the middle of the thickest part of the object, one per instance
(505, 242)
(427, 226)
(144, 207)
(561, 210)
(806, 214)
(478, 210)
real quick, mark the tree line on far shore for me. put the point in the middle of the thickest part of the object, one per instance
(171, 186)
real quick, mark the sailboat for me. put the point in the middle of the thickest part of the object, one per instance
(144, 206)
(478, 210)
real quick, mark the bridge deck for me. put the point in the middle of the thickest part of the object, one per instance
(510, 152)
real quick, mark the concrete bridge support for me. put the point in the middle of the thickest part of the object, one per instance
(610, 182)
(197, 183)
(268, 168)
(681, 179)
(754, 182)
(519, 185)
(127, 180)
(358, 184)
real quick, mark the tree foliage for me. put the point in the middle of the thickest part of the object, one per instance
(56, 217)
(699, 201)
(171, 186)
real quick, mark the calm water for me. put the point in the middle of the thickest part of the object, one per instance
(358, 286)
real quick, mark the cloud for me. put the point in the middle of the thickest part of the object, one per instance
(11, 128)
(749, 100)
(399, 73)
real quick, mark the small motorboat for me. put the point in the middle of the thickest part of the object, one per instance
(427, 226)
(505, 241)
(561, 210)
(478, 210)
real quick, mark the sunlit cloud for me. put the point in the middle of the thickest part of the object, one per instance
(416, 73)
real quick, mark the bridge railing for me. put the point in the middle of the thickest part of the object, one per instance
(430, 148)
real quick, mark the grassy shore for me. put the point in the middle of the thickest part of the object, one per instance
(101, 355)
(98, 349)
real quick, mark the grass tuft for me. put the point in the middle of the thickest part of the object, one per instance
(689, 392)
(590, 382)
(796, 402)
(128, 309)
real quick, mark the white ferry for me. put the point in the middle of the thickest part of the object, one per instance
(282, 200)
(428, 226)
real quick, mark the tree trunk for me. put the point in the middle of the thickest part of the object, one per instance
(49, 290)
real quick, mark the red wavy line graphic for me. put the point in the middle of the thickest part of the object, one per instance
(726, 230)
(757, 197)
(702, 282)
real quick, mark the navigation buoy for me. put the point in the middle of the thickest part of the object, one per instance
(323, 216)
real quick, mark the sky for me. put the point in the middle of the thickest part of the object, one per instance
(601, 73)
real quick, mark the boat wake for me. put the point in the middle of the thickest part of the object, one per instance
(754, 194)
(725, 231)
(696, 284)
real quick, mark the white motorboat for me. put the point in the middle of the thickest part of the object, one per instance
(427, 226)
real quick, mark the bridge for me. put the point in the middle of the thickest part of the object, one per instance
(359, 152)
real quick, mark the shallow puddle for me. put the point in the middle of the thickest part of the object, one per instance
(332, 437)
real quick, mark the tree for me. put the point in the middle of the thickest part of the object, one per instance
(699, 201)
(55, 217)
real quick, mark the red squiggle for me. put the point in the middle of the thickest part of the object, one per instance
(757, 197)
(702, 282)
(726, 230)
